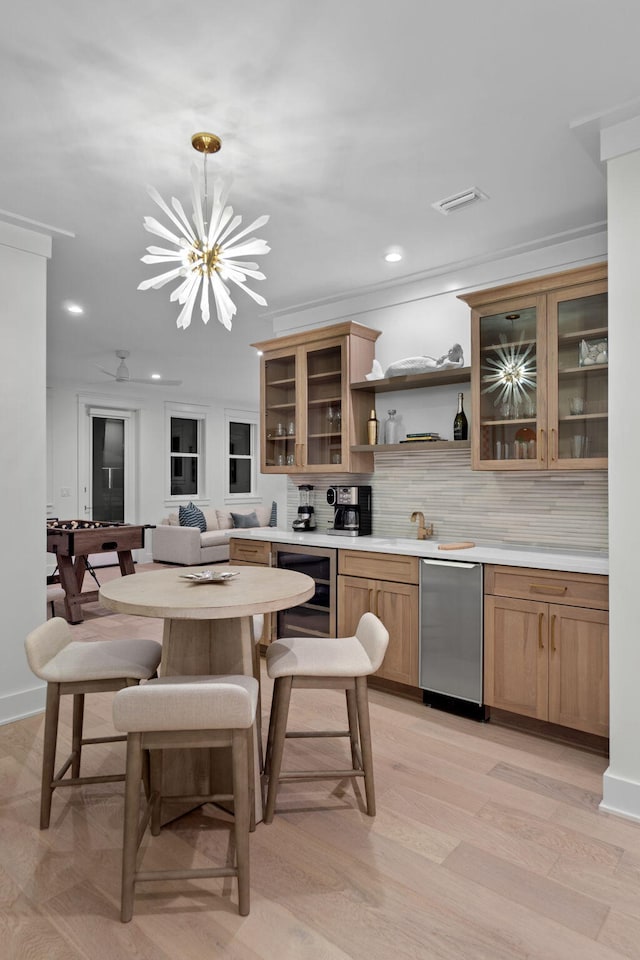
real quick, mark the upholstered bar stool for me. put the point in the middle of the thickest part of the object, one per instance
(318, 662)
(177, 713)
(76, 668)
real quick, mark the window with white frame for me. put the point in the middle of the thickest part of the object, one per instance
(185, 430)
(241, 437)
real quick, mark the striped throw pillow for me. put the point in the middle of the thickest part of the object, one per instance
(273, 519)
(192, 516)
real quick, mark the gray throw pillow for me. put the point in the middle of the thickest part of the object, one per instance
(245, 519)
(192, 516)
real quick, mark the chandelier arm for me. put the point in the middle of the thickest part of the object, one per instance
(152, 225)
(257, 223)
(252, 247)
(230, 226)
(181, 292)
(156, 282)
(254, 296)
(177, 206)
(220, 194)
(204, 301)
(183, 228)
(184, 319)
(225, 306)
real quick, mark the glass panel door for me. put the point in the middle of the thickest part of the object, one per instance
(509, 386)
(324, 406)
(580, 376)
(107, 469)
(280, 422)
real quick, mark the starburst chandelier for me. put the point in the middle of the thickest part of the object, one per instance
(206, 248)
(512, 372)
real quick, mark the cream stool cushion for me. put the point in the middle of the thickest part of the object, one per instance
(357, 656)
(187, 703)
(53, 656)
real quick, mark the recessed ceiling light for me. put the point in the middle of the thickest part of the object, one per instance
(393, 255)
(74, 308)
(259, 352)
(156, 376)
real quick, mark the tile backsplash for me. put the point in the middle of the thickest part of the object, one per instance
(564, 509)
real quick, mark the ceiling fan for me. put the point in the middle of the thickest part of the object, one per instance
(122, 374)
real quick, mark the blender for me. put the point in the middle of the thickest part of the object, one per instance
(306, 519)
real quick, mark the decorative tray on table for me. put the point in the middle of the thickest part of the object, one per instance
(210, 576)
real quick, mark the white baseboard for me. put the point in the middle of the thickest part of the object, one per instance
(620, 797)
(26, 703)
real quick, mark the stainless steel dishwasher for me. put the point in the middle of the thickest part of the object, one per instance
(451, 634)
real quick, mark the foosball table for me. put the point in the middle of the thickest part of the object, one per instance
(73, 541)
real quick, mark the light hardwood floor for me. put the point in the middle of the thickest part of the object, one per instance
(488, 845)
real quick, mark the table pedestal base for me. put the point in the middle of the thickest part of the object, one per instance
(193, 648)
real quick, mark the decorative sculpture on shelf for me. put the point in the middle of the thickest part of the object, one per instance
(401, 368)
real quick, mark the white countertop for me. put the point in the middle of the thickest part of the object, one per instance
(510, 555)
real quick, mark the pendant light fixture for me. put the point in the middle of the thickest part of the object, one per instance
(207, 248)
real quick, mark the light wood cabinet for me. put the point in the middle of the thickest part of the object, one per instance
(251, 553)
(310, 420)
(539, 373)
(544, 659)
(387, 585)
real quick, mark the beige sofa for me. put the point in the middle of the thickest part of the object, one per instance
(187, 545)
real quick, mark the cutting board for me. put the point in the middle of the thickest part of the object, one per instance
(456, 546)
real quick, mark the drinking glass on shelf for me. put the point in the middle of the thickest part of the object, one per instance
(291, 428)
(290, 460)
(331, 415)
(576, 406)
(280, 430)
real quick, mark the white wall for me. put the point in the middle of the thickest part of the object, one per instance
(67, 421)
(622, 779)
(23, 262)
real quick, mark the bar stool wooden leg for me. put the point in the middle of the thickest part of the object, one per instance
(76, 735)
(362, 700)
(282, 691)
(131, 820)
(155, 783)
(52, 711)
(241, 803)
(352, 714)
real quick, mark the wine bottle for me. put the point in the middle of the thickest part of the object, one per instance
(372, 428)
(460, 425)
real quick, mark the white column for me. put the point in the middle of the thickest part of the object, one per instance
(23, 271)
(621, 786)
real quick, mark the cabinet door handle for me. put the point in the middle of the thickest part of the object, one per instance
(371, 599)
(299, 460)
(553, 640)
(541, 445)
(540, 619)
(554, 445)
(547, 588)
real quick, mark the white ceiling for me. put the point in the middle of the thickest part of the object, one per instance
(343, 119)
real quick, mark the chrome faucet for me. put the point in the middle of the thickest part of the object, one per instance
(424, 532)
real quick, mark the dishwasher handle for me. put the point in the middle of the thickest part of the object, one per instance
(452, 563)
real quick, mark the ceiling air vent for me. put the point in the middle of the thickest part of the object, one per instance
(459, 200)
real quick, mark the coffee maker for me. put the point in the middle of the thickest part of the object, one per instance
(352, 511)
(306, 518)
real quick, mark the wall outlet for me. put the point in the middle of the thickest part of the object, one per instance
(65, 491)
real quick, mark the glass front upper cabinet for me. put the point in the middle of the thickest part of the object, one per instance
(539, 373)
(578, 373)
(324, 405)
(280, 412)
(511, 385)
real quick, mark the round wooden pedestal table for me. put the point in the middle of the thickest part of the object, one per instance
(208, 630)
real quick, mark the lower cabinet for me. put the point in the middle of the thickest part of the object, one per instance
(251, 553)
(547, 660)
(374, 582)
